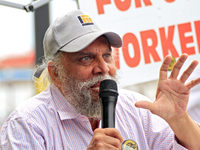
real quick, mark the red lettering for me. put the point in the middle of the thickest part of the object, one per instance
(116, 58)
(138, 3)
(149, 49)
(167, 42)
(197, 29)
(130, 38)
(169, 1)
(123, 5)
(184, 28)
(100, 4)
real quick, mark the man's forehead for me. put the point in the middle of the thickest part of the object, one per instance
(99, 45)
(93, 50)
(87, 52)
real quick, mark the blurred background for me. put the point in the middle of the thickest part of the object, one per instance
(21, 33)
(18, 49)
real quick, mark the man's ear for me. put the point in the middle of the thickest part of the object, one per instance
(53, 72)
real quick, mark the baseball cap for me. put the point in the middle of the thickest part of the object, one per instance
(73, 32)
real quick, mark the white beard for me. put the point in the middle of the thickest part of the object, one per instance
(78, 94)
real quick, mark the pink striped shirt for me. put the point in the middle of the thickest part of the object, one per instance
(47, 121)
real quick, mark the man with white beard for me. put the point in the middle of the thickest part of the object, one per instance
(67, 115)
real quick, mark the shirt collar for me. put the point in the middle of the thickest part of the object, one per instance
(64, 108)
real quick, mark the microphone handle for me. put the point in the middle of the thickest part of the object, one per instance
(108, 111)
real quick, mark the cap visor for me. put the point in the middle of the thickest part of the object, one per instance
(85, 40)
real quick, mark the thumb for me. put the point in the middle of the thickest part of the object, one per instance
(145, 105)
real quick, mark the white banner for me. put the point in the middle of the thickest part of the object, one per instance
(150, 29)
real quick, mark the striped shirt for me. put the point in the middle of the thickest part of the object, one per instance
(47, 121)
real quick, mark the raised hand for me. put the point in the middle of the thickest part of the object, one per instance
(172, 93)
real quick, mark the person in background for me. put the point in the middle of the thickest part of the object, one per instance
(67, 115)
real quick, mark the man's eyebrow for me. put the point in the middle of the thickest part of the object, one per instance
(109, 50)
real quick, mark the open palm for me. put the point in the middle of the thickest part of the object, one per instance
(172, 93)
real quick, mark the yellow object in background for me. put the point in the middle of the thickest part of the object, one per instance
(171, 65)
(40, 84)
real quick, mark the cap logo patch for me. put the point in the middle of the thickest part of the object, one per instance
(85, 20)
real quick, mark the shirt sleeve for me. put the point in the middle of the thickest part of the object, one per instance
(19, 134)
(158, 133)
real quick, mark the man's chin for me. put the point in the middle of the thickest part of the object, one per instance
(95, 97)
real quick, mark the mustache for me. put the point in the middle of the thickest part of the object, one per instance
(95, 80)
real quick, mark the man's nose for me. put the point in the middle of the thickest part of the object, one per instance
(101, 67)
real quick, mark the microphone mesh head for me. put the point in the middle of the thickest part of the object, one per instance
(108, 87)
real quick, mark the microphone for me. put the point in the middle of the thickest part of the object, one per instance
(108, 98)
(108, 94)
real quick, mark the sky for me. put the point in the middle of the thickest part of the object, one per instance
(17, 26)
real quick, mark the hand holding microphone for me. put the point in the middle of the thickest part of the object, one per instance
(108, 97)
(107, 137)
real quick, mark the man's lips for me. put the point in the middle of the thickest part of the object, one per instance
(95, 87)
